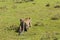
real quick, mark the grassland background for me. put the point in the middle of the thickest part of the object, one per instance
(38, 13)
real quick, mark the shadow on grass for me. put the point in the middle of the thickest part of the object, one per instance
(13, 27)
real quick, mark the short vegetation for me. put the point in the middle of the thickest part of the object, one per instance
(44, 14)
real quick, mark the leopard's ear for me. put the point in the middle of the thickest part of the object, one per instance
(29, 18)
(20, 19)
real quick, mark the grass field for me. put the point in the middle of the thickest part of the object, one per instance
(11, 12)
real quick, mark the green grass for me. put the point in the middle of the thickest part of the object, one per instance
(38, 12)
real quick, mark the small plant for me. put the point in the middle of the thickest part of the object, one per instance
(47, 5)
(57, 6)
(38, 24)
(21, 1)
(33, 3)
(55, 38)
(56, 17)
